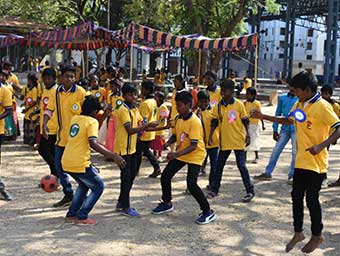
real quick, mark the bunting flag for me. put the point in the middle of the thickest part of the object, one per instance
(152, 36)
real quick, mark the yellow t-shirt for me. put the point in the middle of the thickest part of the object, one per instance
(174, 112)
(215, 96)
(162, 114)
(52, 123)
(76, 157)
(5, 103)
(31, 98)
(320, 118)
(336, 108)
(148, 111)
(116, 102)
(206, 117)
(247, 83)
(11, 89)
(99, 93)
(66, 105)
(126, 144)
(188, 130)
(232, 130)
(250, 106)
(13, 79)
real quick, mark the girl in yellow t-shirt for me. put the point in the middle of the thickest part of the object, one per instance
(254, 125)
(162, 114)
(30, 104)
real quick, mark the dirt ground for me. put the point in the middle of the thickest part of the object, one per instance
(30, 226)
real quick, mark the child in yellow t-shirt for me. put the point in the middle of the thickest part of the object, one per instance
(254, 123)
(162, 114)
(128, 125)
(96, 90)
(30, 103)
(188, 133)
(76, 161)
(204, 112)
(231, 118)
(313, 118)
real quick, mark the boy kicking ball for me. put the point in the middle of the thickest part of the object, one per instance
(188, 134)
(313, 118)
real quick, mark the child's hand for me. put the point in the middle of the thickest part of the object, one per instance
(209, 141)
(255, 113)
(263, 128)
(46, 131)
(335, 142)
(119, 161)
(314, 150)
(31, 116)
(154, 124)
(171, 156)
(247, 140)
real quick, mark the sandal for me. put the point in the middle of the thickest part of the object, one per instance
(335, 183)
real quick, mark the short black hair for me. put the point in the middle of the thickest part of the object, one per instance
(93, 77)
(33, 78)
(327, 88)
(251, 91)
(228, 84)
(160, 95)
(90, 104)
(304, 80)
(148, 85)
(83, 82)
(210, 74)
(203, 95)
(7, 64)
(184, 97)
(114, 82)
(68, 68)
(49, 72)
(128, 88)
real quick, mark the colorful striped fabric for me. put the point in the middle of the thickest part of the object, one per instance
(9, 40)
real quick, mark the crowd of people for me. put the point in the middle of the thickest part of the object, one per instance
(66, 116)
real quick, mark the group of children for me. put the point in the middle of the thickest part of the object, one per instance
(220, 124)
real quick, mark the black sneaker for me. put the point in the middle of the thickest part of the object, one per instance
(263, 176)
(66, 201)
(248, 197)
(163, 208)
(155, 174)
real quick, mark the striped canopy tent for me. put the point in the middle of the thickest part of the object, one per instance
(9, 40)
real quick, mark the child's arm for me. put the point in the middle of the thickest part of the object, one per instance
(106, 153)
(316, 149)
(35, 112)
(213, 126)
(170, 141)
(280, 120)
(187, 150)
(245, 122)
(141, 128)
(263, 128)
(47, 117)
(7, 112)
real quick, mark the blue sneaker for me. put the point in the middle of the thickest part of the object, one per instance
(205, 218)
(163, 208)
(131, 212)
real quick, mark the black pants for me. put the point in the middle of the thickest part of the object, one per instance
(47, 152)
(307, 182)
(127, 177)
(193, 171)
(143, 148)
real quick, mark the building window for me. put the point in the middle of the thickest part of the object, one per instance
(309, 57)
(309, 46)
(282, 31)
(310, 32)
(281, 55)
(282, 44)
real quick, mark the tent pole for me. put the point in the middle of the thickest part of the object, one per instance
(199, 65)
(131, 51)
(255, 66)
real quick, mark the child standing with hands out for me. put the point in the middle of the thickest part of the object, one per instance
(313, 118)
(254, 126)
(188, 133)
(231, 118)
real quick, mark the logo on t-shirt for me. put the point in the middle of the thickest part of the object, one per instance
(74, 130)
(29, 100)
(232, 115)
(98, 94)
(119, 102)
(75, 107)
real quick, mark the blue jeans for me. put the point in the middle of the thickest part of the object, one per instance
(213, 155)
(82, 204)
(63, 177)
(284, 137)
(241, 165)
